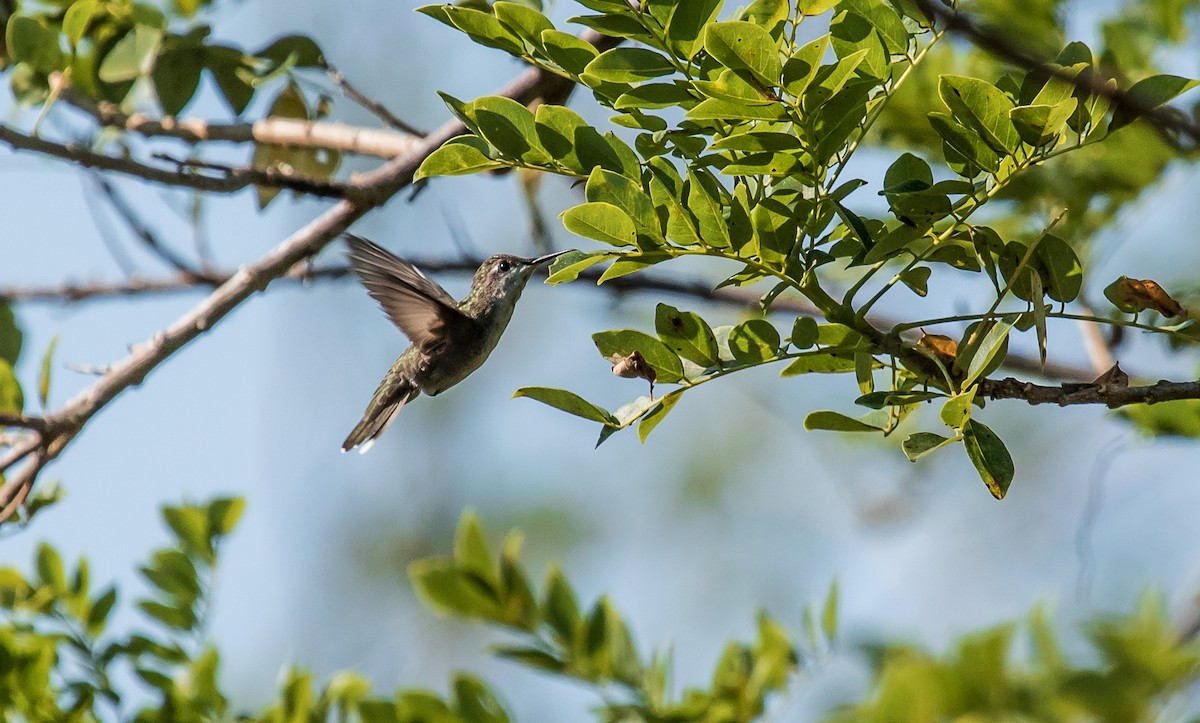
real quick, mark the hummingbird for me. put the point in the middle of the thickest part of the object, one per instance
(450, 339)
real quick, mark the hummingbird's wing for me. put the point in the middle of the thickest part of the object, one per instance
(420, 307)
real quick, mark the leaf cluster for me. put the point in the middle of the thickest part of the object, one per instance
(740, 138)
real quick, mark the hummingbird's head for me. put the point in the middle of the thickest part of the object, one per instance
(503, 277)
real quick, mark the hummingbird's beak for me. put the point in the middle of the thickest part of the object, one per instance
(548, 258)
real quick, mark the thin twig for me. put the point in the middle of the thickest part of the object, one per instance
(374, 106)
(138, 228)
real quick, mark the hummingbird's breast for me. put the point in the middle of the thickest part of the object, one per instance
(457, 356)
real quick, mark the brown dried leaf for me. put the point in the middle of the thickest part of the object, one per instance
(633, 366)
(943, 347)
(1115, 377)
(1134, 295)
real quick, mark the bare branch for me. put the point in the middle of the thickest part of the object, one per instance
(290, 132)
(88, 158)
(274, 176)
(1110, 395)
(21, 420)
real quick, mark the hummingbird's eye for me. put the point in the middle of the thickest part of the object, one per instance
(504, 266)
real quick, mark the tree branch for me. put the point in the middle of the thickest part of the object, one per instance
(273, 176)
(290, 132)
(378, 187)
(1109, 394)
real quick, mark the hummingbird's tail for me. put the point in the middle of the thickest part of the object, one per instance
(389, 399)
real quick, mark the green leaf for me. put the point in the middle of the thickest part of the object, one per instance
(686, 23)
(475, 703)
(179, 618)
(572, 142)
(559, 606)
(523, 21)
(767, 164)
(298, 51)
(804, 332)
(223, 515)
(1062, 272)
(919, 444)
(568, 51)
(657, 413)
(965, 142)
(509, 127)
(11, 337)
(482, 27)
(852, 33)
(957, 409)
(831, 79)
(132, 56)
(702, 200)
(445, 588)
(829, 613)
(993, 346)
(233, 73)
(754, 341)
(1150, 93)
(623, 342)
(894, 398)
(98, 612)
(835, 422)
(666, 193)
(31, 40)
(190, 525)
(917, 279)
(816, 7)
(687, 334)
(12, 399)
(529, 657)
(719, 109)
(602, 222)
(613, 188)
(458, 157)
(983, 107)
(907, 173)
(50, 569)
(628, 65)
(631, 263)
(803, 66)
(567, 402)
(1039, 125)
(820, 363)
(568, 266)
(745, 46)
(471, 551)
(990, 457)
(77, 20)
(655, 95)
(173, 572)
(176, 76)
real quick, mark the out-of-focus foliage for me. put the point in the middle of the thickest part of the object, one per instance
(59, 655)
(1136, 669)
